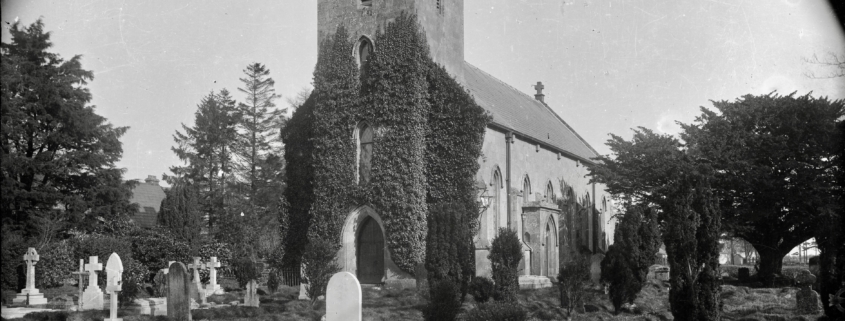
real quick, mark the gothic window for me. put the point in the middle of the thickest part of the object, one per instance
(550, 192)
(526, 189)
(496, 183)
(365, 152)
(365, 50)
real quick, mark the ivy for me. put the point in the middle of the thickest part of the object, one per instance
(426, 144)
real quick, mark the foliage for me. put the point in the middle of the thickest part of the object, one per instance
(446, 246)
(626, 263)
(245, 270)
(13, 249)
(206, 151)
(154, 248)
(160, 285)
(497, 311)
(216, 249)
(505, 254)
(482, 289)
(422, 154)
(445, 302)
(654, 170)
(180, 213)
(134, 277)
(258, 127)
(55, 265)
(775, 175)
(320, 265)
(58, 154)
(273, 280)
(102, 246)
(573, 278)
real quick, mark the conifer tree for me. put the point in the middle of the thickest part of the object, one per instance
(625, 266)
(180, 212)
(259, 126)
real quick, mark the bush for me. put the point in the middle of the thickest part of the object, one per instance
(320, 265)
(482, 289)
(448, 244)
(134, 276)
(626, 264)
(615, 270)
(102, 246)
(505, 254)
(160, 284)
(217, 249)
(273, 280)
(55, 265)
(445, 303)
(497, 311)
(572, 280)
(245, 270)
(13, 248)
(155, 248)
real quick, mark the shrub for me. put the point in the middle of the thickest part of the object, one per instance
(482, 289)
(273, 280)
(133, 279)
(217, 249)
(13, 248)
(626, 264)
(445, 303)
(154, 248)
(497, 311)
(160, 284)
(615, 270)
(245, 270)
(320, 265)
(55, 265)
(572, 280)
(447, 245)
(505, 254)
(102, 246)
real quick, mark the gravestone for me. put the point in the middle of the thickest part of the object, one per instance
(81, 273)
(343, 298)
(807, 301)
(303, 292)
(213, 287)
(30, 295)
(114, 281)
(178, 293)
(804, 277)
(92, 298)
(251, 294)
(196, 284)
(743, 274)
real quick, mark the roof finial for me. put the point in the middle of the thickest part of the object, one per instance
(539, 95)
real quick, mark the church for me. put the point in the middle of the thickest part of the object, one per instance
(532, 172)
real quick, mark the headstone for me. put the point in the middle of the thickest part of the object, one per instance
(743, 274)
(92, 298)
(114, 281)
(158, 306)
(251, 294)
(213, 287)
(303, 292)
(804, 277)
(807, 301)
(343, 298)
(30, 295)
(81, 273)
(178, 296)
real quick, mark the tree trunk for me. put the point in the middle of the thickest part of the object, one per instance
(770, 263)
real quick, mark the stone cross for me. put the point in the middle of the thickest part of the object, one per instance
(539, 87)
(197, 284)
(81, 273)
(31, 257)
(114, 278)
(212, 266)
(178, 293)
(251, 294)
(343, 298)
(92, 298)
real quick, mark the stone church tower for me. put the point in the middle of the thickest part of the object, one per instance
(532, 170)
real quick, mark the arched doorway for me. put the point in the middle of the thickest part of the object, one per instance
(549, 264)
(370, 258)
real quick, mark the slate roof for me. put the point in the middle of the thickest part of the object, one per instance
(148, 196)
(525, 116)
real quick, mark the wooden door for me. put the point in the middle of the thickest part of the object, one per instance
(370, 252)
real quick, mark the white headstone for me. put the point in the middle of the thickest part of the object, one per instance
(251, 294)
(213, 287)
(343, 298)
(197, 283)
(92, 298)
(30, 295)
(303, 293)
(114, 281)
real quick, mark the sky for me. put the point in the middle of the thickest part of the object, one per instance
(607, 66)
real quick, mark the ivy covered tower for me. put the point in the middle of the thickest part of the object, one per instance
(442, 22)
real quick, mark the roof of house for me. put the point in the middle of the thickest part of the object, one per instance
(148, 196)
(524, 115)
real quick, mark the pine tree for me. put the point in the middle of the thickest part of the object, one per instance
(180, 212)
(259, 126)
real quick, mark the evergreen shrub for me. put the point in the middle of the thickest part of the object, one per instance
(273, 280)
(505, 254)
(482, 289)
(155, 247)
(625, 267)
(446, 246)
(573, 278)
(160, 284)
(320, 265)
(13, 249)
(102, 246)
(211, 248)
(245, 269)
(134, 277)
(55, 265)
(445, 301)
(497, 311)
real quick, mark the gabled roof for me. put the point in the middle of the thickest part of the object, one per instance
(148, 196)
(515, 111)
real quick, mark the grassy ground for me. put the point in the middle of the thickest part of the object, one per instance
(740, 303)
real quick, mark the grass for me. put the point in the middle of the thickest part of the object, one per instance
(740, 303)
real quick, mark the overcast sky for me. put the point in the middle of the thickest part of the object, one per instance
(607, 66)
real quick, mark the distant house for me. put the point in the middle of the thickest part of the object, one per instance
(148, 195)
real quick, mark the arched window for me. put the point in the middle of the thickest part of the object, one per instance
(496, 185)
(365, 152)
(526, 190)
(365, 49)
(550, 192)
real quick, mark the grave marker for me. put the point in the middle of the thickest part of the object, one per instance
(114, 281)
(343, 298)
(178, 296)
(251, 294)
(30, 295)
(92, 298)
(807, 301)
(196, 290)
(81, 273)
(212, 286)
